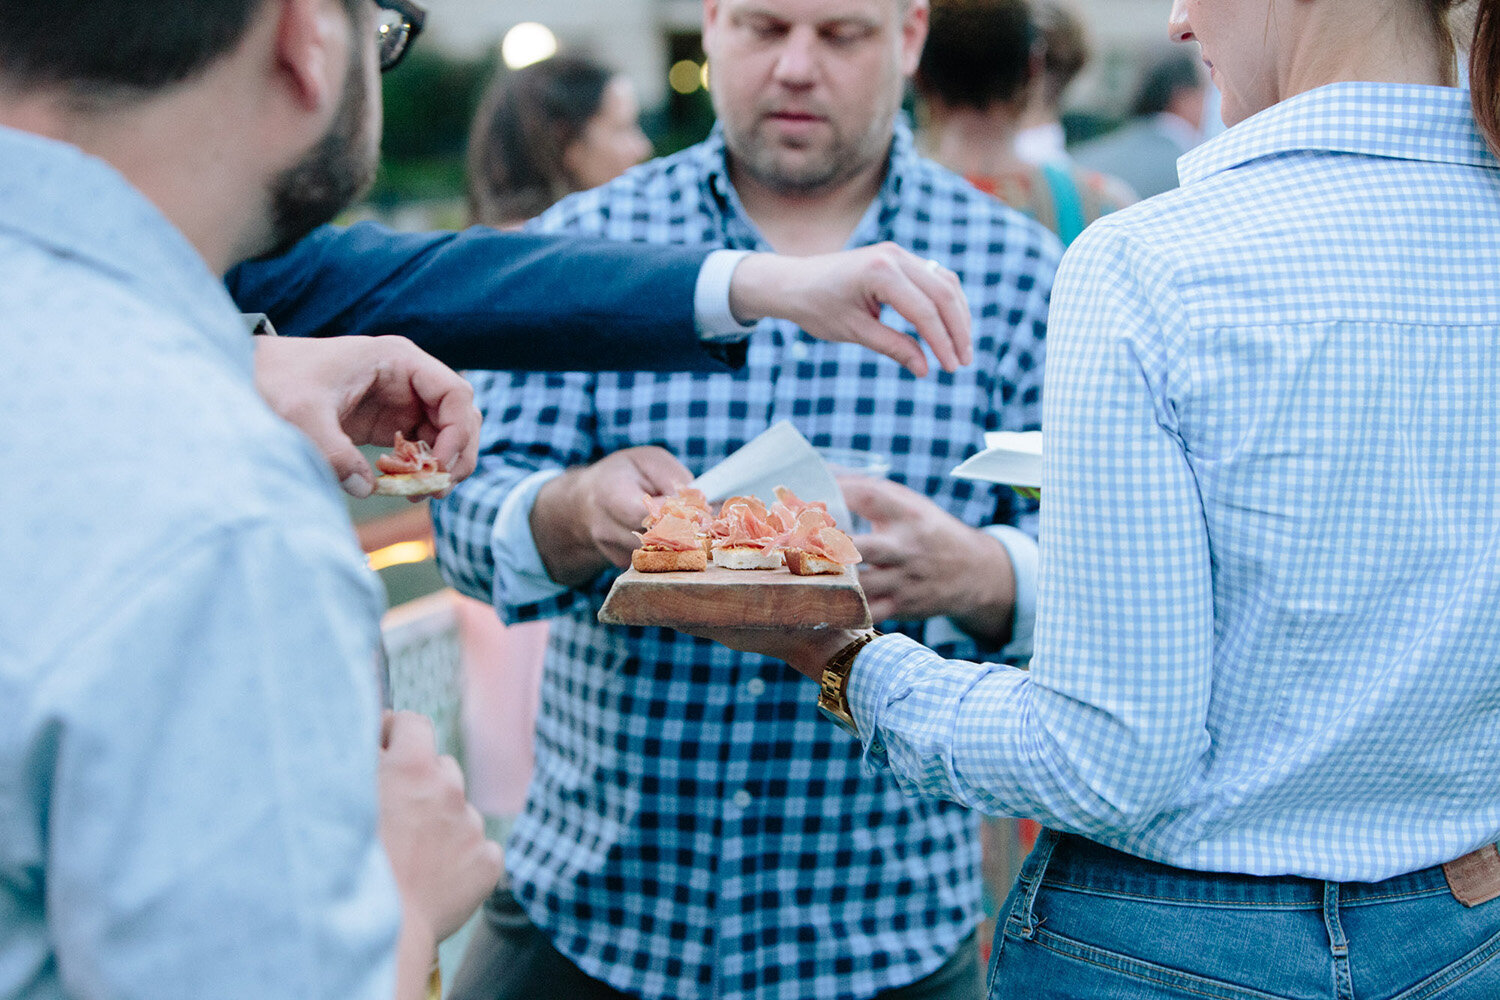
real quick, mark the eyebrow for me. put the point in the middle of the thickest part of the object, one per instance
(863, 20)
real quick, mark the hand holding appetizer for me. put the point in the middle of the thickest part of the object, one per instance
(343, 392)
(584, 520)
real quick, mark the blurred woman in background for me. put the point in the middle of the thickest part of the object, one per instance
(542, 132)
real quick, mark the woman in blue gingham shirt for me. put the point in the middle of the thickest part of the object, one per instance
(1264, 705)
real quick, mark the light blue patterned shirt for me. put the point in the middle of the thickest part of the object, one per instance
(1268, 635)
(188, 714)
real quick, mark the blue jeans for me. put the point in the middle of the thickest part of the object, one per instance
(1084, 921)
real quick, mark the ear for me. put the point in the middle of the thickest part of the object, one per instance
(312, 50)
(710, 19)
(913, 34)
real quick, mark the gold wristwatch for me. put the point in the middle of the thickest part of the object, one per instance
(833, 688)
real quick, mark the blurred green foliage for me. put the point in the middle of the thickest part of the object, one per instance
(429, 103)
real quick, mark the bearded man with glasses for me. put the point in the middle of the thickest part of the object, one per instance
(188, 713)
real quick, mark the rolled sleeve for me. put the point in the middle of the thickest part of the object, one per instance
(520, 576)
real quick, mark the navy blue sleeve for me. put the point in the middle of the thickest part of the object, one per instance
(487, 299)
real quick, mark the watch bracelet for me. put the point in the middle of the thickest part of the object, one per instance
(833, 684)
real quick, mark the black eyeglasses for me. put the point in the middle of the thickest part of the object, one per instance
(399, 24)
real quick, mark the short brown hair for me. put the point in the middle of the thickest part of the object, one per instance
(978, 52)
(118, 45)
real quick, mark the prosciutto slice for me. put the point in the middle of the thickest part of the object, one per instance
(815, 534)
(671, 532)
(408, 457)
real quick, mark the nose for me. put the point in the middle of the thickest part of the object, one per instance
(1179, 29)
(797, 61)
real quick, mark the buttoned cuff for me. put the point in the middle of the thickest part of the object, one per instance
(1022, 550)
(872, 678)
(716, 322)
(520, 577)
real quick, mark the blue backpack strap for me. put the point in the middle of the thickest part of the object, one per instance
(1067, 200)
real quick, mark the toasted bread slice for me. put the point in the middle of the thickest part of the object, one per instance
(668, 560)
(806, 564)
(412, 484)
(746, 557)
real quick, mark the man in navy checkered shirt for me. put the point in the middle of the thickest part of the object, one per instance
(694, 827)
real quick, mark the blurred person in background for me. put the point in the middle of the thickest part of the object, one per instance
(979, 72)
(544, 131)
(1065, 53)
(197, 795)
(1166, 120)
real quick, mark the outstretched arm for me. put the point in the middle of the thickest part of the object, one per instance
(487, 299)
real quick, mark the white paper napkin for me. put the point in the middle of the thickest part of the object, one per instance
(778, 456)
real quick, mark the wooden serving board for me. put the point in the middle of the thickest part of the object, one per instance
(736, 598)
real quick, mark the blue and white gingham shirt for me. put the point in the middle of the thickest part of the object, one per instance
(695, 828)
(1268, 635)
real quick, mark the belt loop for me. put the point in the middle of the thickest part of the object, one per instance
(1022, 919)
(1338, 944)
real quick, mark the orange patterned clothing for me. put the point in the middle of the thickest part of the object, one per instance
(1065, 199)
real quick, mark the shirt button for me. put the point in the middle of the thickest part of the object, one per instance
(799, 350)
(756, 687)
(741, 799)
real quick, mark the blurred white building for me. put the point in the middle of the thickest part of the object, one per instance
(637, 36)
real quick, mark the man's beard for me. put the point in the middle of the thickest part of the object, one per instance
(331, 176)
(806, 175)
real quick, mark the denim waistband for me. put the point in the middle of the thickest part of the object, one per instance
(1079, 863)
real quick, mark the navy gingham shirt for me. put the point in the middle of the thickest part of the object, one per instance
(695, 827)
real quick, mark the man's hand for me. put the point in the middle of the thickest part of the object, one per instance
(434, 838)
(583, 519)
(838, 297)
(921, 562)
(348, 391)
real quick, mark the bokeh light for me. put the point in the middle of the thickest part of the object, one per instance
(527, 43)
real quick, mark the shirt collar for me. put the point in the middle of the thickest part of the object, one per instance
(1399, 121)
(740, 232)
(54, 195)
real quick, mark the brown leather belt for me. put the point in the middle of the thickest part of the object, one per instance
(1475, 877)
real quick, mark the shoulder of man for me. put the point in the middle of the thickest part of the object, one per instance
(656, 184)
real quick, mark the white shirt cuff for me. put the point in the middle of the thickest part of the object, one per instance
(1024, 562)
(520, 577)
(715, 319)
